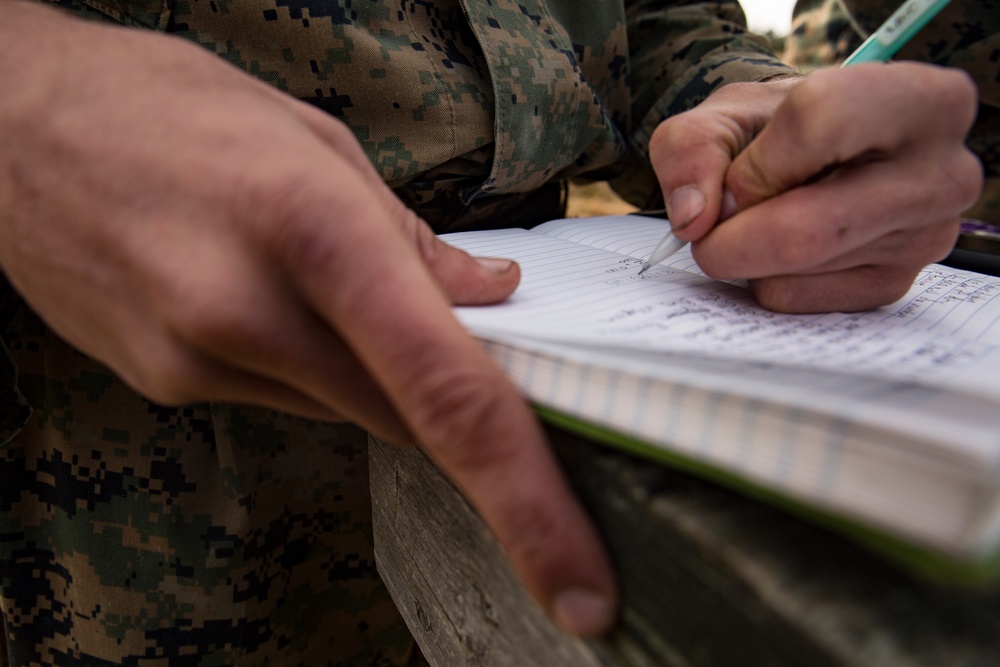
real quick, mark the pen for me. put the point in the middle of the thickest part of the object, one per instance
(890, 37)
(896, 31)
(665, 248)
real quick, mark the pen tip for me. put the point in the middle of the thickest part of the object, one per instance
(643, 269)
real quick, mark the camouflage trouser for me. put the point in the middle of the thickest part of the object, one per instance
(136, 534)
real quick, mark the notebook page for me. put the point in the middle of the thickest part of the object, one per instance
(935, 479)
(945, 331)
(631, 235)
(945, 429)
(813, 435)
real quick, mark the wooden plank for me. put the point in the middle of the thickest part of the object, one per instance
(708, 578)
(448, 577)
(741, 583)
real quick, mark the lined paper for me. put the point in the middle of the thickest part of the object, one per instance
(908, 487)
(900, 429)
(946, 329)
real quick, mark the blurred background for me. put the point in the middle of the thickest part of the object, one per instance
(768, 15)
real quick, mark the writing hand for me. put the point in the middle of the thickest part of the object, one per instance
(835, 189)
(211, 239)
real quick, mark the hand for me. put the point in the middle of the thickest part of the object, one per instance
(211, 239)
(835, 189)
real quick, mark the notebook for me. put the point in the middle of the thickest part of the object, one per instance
(883, 424)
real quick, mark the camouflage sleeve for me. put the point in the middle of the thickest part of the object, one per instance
(684, 51)
(680, 52)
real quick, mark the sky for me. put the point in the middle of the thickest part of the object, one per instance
(764, 15)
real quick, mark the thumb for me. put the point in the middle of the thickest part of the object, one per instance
(690, 154)
(465, 280)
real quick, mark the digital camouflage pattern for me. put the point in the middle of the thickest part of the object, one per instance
(135, 534)
(138, 534)
(457, 103)
(965, 34)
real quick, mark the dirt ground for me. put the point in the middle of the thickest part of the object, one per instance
(595, 199)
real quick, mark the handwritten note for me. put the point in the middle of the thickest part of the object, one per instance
(581, 286)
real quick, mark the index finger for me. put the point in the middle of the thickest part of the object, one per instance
(367, 281)
(691, 152)
(834, 118)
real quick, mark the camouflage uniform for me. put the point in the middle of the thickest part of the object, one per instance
(965, 34)
(136, 534)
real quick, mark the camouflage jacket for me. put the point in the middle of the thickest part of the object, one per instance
(462, 104)
(965, 34)
(132, 533)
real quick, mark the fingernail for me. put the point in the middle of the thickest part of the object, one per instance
(582, 612)
(729, 206)
(686, 203)
(495, 264)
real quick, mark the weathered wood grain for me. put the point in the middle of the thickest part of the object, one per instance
(448, 577)
(708, 577)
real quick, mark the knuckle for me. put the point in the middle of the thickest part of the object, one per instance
(210, 300)
(948, 96)
(294, 218)
(340, 135)
(668, 130)
(535, 531)
(931, 245)
(957, 179)
(211, 317)
(958, 94)
(305, 248)
(773, 295)
(801, 248)
(890, 284)
(174, 375)
(819, 114)
(461, 417)
(429, 247)
(685, 133)
(752, 178)
(665, 139)
(806, 112)
(969, 176)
